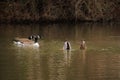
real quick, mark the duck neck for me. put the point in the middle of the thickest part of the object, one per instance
(68, 47)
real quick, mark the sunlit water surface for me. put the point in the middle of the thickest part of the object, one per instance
(100, 61)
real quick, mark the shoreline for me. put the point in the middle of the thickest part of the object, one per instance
(61, 21)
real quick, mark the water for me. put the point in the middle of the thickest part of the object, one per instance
(100, 61)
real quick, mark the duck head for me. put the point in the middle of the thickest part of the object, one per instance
(31, 37)
(35, 38)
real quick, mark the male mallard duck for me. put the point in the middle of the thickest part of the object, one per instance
(67, 45)
(30, 41)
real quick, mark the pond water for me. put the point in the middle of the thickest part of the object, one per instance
(100, 61)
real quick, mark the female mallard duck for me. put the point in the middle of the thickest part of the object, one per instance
(30, 41)
(67, 45)
(82, 45)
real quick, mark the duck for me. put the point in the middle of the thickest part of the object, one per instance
(67, 45)
(83, 45)
(30, 41)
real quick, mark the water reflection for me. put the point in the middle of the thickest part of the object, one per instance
(29, 62)
(87, 31)
(57, 67)
(77, 68)
(103, 66)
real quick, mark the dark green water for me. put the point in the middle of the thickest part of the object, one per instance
(100, 61)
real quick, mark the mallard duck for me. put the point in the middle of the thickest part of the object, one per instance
(67, 45)
(82, 44)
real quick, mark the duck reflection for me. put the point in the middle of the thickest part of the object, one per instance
(83, 56)
(79, 65)
(67, 55)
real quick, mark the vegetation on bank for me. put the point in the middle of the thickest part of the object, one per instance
(59, 10)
